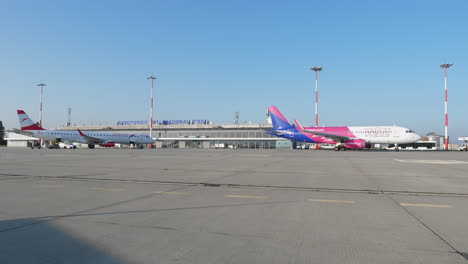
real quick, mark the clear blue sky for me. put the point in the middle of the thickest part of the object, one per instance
(213, 58)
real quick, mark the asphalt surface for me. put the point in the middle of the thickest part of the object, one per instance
(232, 206)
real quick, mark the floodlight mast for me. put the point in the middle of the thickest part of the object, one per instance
(445, 66)
(316, 69)
(152, 78)
(40, 104)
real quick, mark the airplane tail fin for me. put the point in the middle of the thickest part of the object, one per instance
(279, 121)
(26, 123)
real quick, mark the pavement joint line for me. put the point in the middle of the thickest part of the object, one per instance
(246, 196)
(241, 186)
(427, 227)
(49, 219)
(51, 186)
(330, 201)
(427, 205)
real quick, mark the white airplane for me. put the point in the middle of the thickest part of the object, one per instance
(92, 138)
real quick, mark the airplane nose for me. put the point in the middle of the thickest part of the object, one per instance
(417, 137)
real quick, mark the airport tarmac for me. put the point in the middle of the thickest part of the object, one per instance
(232, 206)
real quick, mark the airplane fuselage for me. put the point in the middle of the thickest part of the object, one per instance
(74, 136)
(370, 134)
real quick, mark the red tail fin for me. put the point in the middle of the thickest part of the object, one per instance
(26, 123)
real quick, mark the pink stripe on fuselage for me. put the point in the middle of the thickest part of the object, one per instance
(339, 131)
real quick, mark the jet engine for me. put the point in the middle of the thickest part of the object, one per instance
(355, 144)
(109, 144)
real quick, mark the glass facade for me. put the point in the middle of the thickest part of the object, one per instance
(214, 134)
(217, 139)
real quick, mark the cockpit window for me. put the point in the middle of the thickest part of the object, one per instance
(409, 131)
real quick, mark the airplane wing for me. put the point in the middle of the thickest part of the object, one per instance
(21, 132)
(91, 140)
(274, 132)
(333, 137)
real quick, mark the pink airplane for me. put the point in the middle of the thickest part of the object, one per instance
(343, 137)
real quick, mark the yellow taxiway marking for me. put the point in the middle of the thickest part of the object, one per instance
(448, 162)
(51, 186)
(427, 205)
(109, 189)
(330, 201)
(253, 155)
(183, 193)
(246, 196)
(201, 155)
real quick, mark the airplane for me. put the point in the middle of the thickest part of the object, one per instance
(343, 137)
(92, 138)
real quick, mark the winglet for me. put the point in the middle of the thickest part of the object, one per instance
(81, 133)
(298, 124)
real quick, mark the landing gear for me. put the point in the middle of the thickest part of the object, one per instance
(397, 148)
(36, 145)
(340, 147)
(90, 146)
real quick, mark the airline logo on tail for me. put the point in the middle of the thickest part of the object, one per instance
(26, 123)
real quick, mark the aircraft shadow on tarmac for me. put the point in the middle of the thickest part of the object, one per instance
(39, 241)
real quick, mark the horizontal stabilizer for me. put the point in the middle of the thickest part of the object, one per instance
(298, 125)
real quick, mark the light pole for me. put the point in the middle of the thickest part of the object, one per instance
(40, 104)
(316, 70)
(445, 66)
(152, 78)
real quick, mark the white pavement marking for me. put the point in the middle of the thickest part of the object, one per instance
(449, 162)
(427, 205)
(182, 193)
